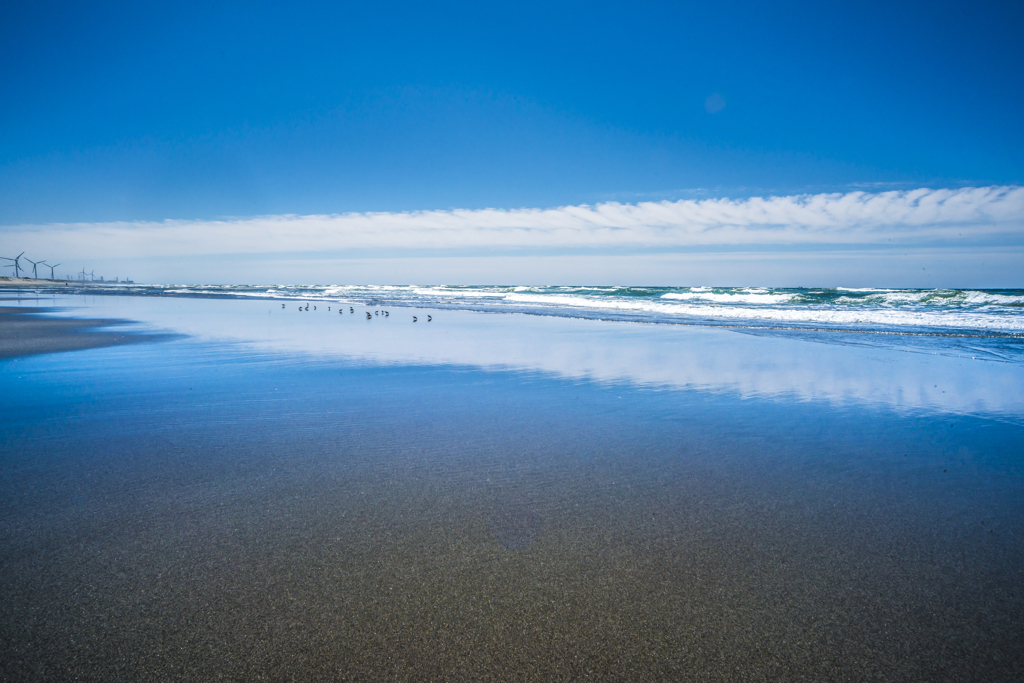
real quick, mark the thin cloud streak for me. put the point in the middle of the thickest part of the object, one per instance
(907, 217)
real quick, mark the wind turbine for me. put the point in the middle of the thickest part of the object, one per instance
(35, 275)
(50, 267)
(83, 274)
(92, 276)
(17, 268)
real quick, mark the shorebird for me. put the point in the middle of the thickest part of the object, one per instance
(429, 318)
(351, 310)
(282, 305)
(414, 318)
(368, 316)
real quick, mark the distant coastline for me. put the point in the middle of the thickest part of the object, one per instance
(37, 282)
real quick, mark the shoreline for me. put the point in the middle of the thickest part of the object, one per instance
(962, 314)
(6, 281)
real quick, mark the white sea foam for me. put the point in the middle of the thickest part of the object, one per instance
(862, 289)
(458, 293)
(828, 317)
(985, 298)
(738, 298)
(896, 298)
(934, 298)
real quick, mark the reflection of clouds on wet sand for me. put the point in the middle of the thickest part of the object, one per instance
(659, 356)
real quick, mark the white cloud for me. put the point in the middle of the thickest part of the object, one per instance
(915, 217)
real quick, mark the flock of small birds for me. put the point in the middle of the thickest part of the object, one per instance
(382, 313)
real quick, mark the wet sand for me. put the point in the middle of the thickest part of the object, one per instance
(25, 331)
(192, 511)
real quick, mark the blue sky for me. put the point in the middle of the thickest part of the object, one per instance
(133, 113)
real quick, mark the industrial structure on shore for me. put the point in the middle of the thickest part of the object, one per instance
(82, 276)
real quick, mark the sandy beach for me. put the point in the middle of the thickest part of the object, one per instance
(6, 281)
(200, 509)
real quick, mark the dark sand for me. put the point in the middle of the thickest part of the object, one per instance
(24, 332)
